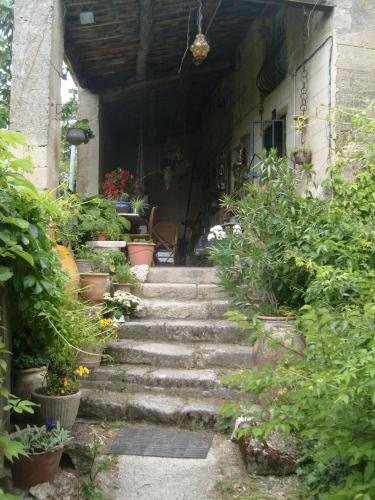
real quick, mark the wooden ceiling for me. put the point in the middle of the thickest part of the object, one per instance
(123, 54)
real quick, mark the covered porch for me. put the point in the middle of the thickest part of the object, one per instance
(190, 132)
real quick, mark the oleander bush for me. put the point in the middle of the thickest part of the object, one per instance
(316, 255)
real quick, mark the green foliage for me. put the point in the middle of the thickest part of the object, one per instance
(321, 252)
(6, 35)
(26, 361)
(107, 260)
(91, 488)
(94, 215)
(85, 127)
(30, 267)
(124, 274)
(39, 439)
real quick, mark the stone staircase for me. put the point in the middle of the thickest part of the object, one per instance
(169, 363)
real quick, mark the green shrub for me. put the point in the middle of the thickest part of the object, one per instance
(317, 256)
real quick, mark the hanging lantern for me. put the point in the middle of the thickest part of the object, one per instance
(200, 47)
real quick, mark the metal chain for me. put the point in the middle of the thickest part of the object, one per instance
(304, 76)
(199, 16)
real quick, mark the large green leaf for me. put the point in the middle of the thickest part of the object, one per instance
(5, 273)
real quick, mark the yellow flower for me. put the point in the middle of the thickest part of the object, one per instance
(62, 391)
(82, 371)
(65, 382)
(105, 322)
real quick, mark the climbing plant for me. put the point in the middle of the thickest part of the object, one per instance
(6, 34)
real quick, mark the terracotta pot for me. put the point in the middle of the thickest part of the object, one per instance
(75, 136)
(35, 469)
(69, 266)
(94, 285)
(102, 237)
(91, 360)
(61, 408)
(27, 381)
(83, 266)
(141, 253)
(280, 342)
(124, 287)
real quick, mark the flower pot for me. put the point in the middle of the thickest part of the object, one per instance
(141, 253)
(102, 237)
(83, 266)
(302, 157)
(94, 285)
(122, 207)
(27, 381)
(63, 409)
(75, 136)
(35, 469)
(124, 287)
(91, 360)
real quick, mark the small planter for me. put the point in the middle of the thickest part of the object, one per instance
(91, 360)
(122, 207)
(35, 469)
(27, 381)
(63, 409)
(75, 136)
(125, 287)
(141, 253)
(302, 157)
(102, 237)
(83, 266)
(94, 285)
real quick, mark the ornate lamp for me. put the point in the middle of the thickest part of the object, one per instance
(200, 47)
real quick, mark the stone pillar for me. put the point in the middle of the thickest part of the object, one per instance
(89, 154)
(37, 55)
(354, 29)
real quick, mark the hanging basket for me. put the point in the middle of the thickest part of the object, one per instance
(75, 136)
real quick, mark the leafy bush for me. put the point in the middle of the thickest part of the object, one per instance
(41, 439)
(321, 252)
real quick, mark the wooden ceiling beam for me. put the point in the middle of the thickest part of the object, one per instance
(320, 5)
(157, 83)
(145, 37)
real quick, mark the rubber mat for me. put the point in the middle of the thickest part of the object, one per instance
(154, 442)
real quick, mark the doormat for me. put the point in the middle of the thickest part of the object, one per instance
(161, 443)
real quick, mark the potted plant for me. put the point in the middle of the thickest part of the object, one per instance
(301, 156)
(124, 278)
(83, 256)
(122, 305)
(98, 332)
(80, 132)
(29, 373)
(43, 447)
(59, 397)
(119, 185)
(96, 218)
(96, 282)
(141, 252)
(139, 205)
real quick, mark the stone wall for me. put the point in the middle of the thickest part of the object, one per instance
(226, 125)
(38, 51)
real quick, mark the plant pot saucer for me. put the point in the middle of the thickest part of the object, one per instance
(108, 245)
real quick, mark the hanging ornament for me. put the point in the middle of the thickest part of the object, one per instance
(200, 47)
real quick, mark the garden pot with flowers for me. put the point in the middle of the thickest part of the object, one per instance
(124, 279)
(60, 396)
(103, 330)
(119, 186)
(43, 447)
(121, 306)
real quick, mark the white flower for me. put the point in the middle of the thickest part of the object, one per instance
(217, 233)
(237, 231)
(140, 272)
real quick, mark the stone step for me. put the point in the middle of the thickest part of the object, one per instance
(161, 409)
(220, 331)
(199, 355)
(192, 309)
(180, 291)
(173, 274)
(135, 378)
